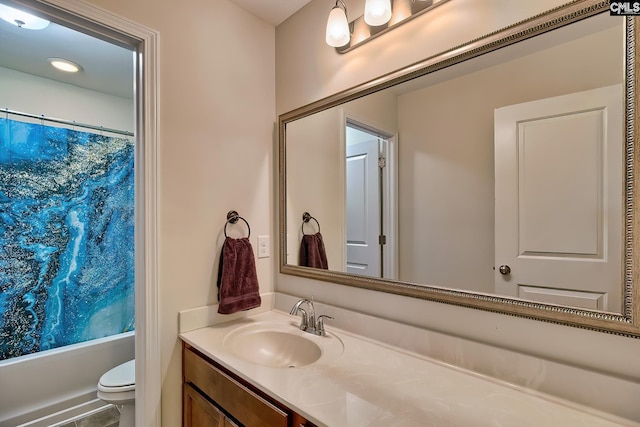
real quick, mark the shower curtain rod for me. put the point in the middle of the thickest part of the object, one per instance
(67, 122)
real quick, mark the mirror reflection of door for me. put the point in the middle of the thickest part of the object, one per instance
(558, 229)
(368, 201)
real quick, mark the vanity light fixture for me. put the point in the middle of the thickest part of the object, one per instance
(22, 19)
(377, 12)
(380, 16)
(338, 32)
(64, 65)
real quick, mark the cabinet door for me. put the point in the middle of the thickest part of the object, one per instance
(199, 412)
(241, 400)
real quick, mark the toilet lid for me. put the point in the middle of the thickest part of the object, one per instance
(120, 376)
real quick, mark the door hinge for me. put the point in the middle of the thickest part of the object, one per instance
(382, 162)
(382, 240)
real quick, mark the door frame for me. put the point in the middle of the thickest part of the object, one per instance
(389, 186)
(143, 41)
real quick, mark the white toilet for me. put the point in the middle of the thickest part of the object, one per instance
(118, 386)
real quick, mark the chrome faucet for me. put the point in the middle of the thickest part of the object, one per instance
(308, 322)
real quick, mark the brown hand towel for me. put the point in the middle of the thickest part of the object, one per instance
(238, 287)
(312, 252)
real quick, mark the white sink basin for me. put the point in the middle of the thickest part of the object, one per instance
(280, 345)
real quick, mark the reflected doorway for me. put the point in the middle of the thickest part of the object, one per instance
(370, 201)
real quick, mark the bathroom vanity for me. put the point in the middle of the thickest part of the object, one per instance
(263, 370)
(214, 396)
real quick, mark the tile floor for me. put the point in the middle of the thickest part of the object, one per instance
(105, 418)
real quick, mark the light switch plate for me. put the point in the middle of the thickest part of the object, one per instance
(264, 247)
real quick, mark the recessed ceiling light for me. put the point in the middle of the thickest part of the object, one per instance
(64, 65)
(22, 19)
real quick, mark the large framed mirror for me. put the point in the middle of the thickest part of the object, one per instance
(498, 175)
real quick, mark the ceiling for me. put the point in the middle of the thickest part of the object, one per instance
(272, 11)
(106, 68)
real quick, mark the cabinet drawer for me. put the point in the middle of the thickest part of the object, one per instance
(198, 411)
(243, 404)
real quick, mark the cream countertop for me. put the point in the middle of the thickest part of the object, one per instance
(374, 385)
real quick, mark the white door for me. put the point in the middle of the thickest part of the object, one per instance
(363, 209)
(558, 199)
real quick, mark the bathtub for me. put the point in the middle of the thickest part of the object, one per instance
(58, 384)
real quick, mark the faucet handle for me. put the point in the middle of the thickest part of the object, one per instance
(320, 324)
(304, 323)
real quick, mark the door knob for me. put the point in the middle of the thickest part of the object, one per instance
(504, 269)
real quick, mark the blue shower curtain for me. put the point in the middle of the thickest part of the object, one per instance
(66, 237)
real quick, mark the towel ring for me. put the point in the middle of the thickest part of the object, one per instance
(233, 217)
(306, 217)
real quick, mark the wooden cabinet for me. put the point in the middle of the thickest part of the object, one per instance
(214, 397)
(198, 411)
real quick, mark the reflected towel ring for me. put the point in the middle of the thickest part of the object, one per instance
(233, 217)
(306, 217)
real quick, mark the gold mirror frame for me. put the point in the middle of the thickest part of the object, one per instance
(627, 323)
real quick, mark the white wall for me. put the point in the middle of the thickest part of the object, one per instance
(27, 93)
(308, 70)
(316, 185)
(216, 147)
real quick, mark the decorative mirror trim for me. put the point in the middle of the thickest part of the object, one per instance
(627, 323)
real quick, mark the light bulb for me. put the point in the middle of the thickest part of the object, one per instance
(377, 12)
(337, 28)
(64, 65)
